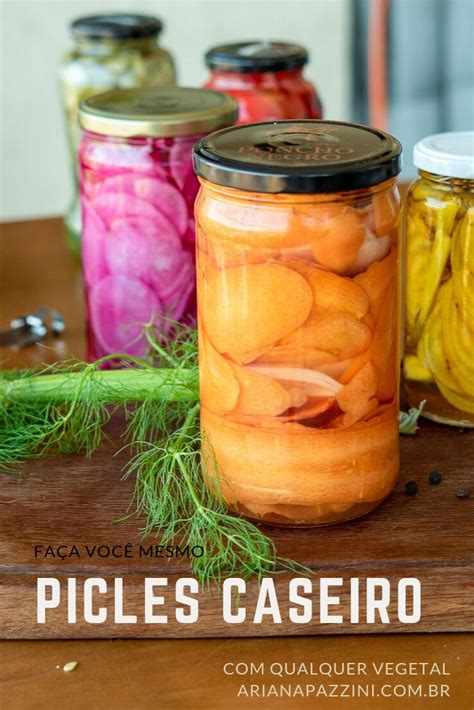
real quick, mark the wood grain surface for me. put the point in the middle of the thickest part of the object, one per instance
(180, 675)
(73, 500)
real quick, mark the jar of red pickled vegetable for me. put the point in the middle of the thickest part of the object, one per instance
(298, 318)
(438, 363)
(110, 51)
(266, 78)
(137, 194)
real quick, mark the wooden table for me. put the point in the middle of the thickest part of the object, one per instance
(428, 535)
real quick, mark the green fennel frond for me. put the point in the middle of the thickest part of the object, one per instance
(180, 502)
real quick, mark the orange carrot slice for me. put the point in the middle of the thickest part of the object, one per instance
(260, 395)
(386, 209)
(248, 307)
(228, 254)
(384, 344)
(330, 291)
(382, 352)
(354, 365)
(232, 221)
(251, 355)
(375, 280)
(219, 389)
(337, 237)
(343, 334)
(387, 410)
(389, 370)
(298, 357)
(295, 464)
(339, 333)
(312, 408)
(369, 320)
(357, 399)
(298, 411)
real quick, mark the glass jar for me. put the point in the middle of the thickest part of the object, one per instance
(266, 78)
(137, 193)
(298, 318)
(110, 51)
(438, 363)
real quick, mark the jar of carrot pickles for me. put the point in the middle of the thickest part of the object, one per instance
(266, 78)
(297, 226)
(439, 349)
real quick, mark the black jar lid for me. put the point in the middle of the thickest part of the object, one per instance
(116, 26)
(303, 157)
(258, 56)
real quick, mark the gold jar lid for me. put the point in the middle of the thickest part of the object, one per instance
(160, 113)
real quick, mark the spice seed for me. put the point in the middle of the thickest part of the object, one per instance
(68, 667)
(411, 487)
(462, 493)
(434, 478)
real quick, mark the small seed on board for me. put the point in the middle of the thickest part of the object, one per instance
(68, 667)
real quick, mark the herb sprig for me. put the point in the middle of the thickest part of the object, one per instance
(65, 408)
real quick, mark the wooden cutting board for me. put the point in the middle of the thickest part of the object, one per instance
(72, 500)
(75, 501)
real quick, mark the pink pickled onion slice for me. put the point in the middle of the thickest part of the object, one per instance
(145, 249)
(166, 198)
(94, 238)
(176, 299)
(180, 162)
(112, 205)
(108, 157)
(118, 307)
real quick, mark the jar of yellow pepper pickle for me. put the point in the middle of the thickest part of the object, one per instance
(439, 307)
(297, 278)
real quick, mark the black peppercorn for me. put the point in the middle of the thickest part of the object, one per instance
(411, 487)
(434, 478)
(462, 493)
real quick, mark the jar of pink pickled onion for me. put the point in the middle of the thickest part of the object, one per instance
(266, 78)
(137, 198)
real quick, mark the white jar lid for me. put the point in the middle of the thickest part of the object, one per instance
(450, 154)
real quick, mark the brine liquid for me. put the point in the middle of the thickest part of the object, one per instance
(138, 239)
(298, 347)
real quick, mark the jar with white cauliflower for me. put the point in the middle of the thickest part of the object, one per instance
(110, 51)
